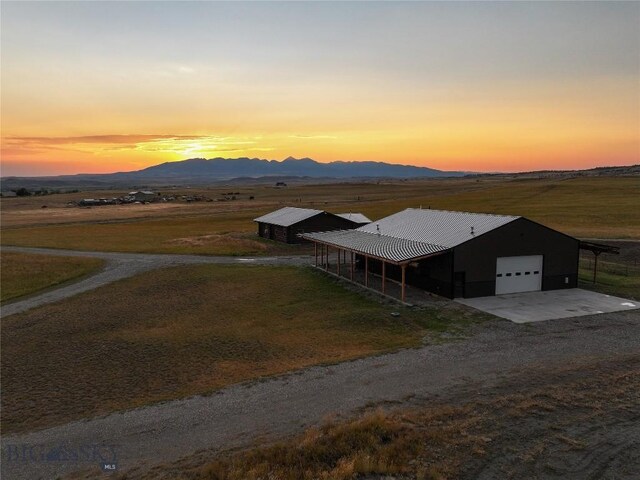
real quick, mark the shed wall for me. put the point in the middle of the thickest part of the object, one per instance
(318, 223)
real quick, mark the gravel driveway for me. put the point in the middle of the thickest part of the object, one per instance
(123, 265)
(240, 415)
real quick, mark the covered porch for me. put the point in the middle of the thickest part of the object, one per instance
(382, 276)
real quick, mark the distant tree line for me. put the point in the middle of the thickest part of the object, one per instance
(24, 192)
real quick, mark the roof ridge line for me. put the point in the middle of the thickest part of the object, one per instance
(463, 211)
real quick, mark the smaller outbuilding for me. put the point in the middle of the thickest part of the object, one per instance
(289, 223)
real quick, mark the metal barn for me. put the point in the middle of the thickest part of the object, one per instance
(455, 254)
(288, 223)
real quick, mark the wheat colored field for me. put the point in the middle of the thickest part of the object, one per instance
(24, 274)
(589, 207)
(188, 330)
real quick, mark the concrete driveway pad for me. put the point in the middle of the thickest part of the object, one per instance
(538, 306)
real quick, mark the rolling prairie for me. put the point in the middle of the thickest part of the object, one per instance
(589, 207)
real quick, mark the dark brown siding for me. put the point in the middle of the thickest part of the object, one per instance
(432, 274)
(477, 257)
(323, 222)
(280, 234)
(264, 230)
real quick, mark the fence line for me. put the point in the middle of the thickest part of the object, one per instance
(610, 267)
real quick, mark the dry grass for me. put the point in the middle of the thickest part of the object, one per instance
(584, 207)
(24, 274)
(377, 443)
(449, 441)
(186, 330)
(600, 207)
(231, 234)
(374, 443)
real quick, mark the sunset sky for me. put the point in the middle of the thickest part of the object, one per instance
(484, 86)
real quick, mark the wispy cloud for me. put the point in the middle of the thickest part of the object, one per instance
(161, 143)
(92, 139)
(313, 137)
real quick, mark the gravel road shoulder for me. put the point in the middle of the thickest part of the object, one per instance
(240, 415)
(124, 265)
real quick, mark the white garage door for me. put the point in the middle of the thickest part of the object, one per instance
(518, 274)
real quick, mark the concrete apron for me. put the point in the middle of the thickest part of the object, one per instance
(548, 305)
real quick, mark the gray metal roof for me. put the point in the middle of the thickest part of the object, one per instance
(414, 233)
(354, 217)
(382, 246)
(440, 227)
(287, 216)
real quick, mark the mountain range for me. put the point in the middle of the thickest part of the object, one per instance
(204, 171)
(220, 168)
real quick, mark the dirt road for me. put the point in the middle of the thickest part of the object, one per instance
(123, 265)
(238, 416)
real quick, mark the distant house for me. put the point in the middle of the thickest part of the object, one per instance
(8, 194)
(357, 218)
(144, 196)
(288, 223)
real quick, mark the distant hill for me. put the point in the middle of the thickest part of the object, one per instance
(207, 171)
(200, 171)
(222, 168)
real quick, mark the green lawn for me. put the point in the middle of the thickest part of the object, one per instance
(612, 278)
(186, 330)
(24, 274)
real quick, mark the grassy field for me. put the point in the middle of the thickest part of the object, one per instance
(186, 330)
(222, 235)
(612, 279)
(23, 274)
(617, 274)
(583, 207)
(594, 207)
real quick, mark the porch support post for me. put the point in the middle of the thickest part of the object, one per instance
(366, 271)
(384, 272)
(352, 266)
(339, 261)
(326, 265)
(404, 271)
(315, 251)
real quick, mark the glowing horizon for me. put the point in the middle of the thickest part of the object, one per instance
(106, 87)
